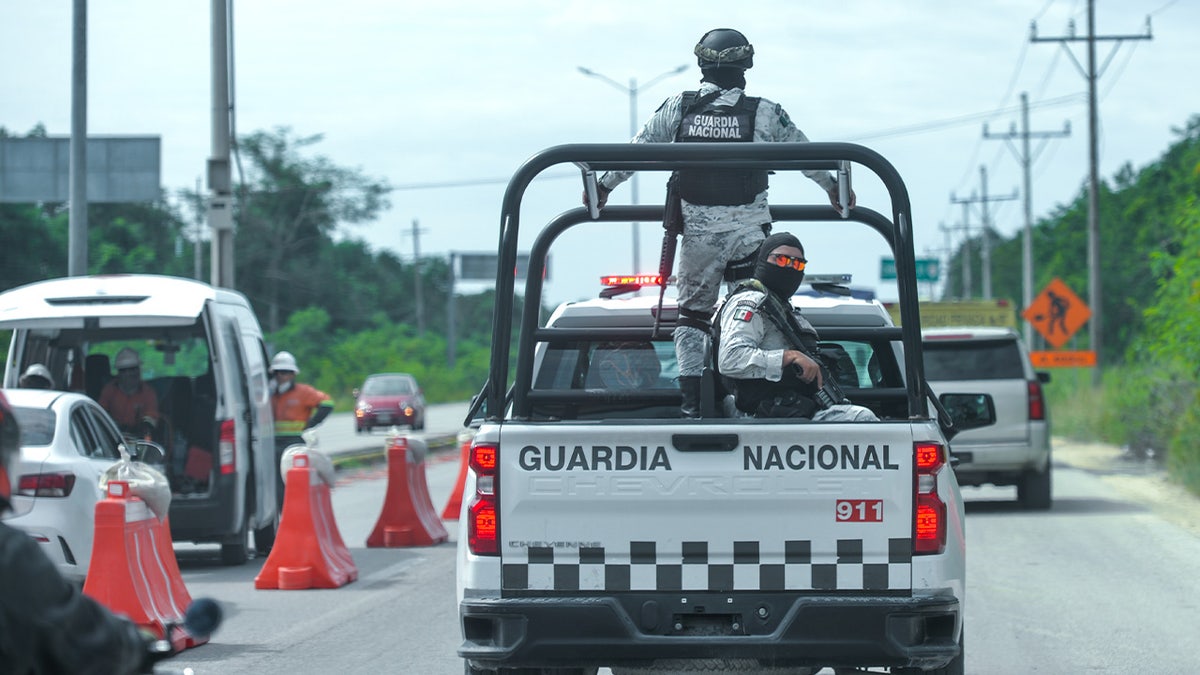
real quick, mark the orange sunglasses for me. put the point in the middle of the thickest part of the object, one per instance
(788, 261)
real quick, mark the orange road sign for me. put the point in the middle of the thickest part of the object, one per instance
(1063, 359)
(1057, 313)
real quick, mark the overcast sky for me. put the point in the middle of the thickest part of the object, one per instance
(417, 94)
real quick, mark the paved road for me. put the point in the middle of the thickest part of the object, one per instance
(337, 438)
(1103, 582)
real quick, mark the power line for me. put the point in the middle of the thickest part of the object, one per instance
(964, 119)
(472, 182)
(895, 131)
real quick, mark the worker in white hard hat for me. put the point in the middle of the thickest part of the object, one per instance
(296, 407)
(36, 376)
(132, 403)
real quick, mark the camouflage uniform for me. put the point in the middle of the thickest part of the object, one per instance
(714, 235)
(752, 348)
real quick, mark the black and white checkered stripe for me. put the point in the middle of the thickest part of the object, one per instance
(646, 567)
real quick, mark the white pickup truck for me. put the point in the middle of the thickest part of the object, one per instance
(600, 529)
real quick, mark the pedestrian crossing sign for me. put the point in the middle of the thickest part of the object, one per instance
(1057, 313)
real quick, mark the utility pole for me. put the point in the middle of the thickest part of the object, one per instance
(1026, 159)
(77, 217)
(451, 318)
(220, 178)
(985, 225)
(416, 235)
(949, 255)
(197, 253)
(966, 255)
(1091, 74)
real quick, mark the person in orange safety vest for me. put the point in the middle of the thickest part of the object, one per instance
(296, 407)
(131, 402)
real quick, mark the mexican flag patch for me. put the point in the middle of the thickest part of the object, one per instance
(743, 314)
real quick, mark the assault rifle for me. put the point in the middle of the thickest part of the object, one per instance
(672, 228)
(830, 392)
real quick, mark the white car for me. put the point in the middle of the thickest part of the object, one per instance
(67, 442)
(1016, 449)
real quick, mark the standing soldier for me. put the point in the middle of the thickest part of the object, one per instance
(296, 407)
(725, 212)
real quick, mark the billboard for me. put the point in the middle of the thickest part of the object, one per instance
(1001, 313)
(119, 169)
(482, 266)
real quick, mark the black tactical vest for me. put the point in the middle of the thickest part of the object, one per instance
(710, 123)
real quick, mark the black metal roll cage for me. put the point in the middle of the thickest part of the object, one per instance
(897, 231)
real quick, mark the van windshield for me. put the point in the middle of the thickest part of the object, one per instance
(160, 358)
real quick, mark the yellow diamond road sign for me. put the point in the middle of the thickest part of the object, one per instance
(1057, 313)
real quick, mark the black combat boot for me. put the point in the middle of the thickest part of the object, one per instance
(689, 386)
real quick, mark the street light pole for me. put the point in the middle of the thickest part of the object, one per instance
(633, 90)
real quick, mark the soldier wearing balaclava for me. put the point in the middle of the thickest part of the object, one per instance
(757, 358)
(725, 211)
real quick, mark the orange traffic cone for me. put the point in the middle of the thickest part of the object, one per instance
(133, 570)
(408, 517)
(454, 503)
(308, 551)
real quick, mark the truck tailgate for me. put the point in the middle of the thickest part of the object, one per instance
(754, 507)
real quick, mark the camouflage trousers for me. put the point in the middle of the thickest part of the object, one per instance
(703, 256)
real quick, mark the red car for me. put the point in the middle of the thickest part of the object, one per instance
(389, 399)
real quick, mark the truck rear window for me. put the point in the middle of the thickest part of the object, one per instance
(609, 365)
(974, 360)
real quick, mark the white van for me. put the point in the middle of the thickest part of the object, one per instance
(202, 350)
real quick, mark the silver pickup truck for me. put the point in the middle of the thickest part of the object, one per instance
(600, 529)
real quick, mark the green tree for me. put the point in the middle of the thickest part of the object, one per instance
(289, 208)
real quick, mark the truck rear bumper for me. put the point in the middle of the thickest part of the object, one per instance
(777, 630)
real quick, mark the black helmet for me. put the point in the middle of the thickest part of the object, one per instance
(724, 47)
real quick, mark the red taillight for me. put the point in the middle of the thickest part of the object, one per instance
(1037, 404)
(483, 459)
(930, 525)
(929, 511)
(227, 447)
(929, 457)
(483, 526)
(46, 485)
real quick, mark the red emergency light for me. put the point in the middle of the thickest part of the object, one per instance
(631, 280)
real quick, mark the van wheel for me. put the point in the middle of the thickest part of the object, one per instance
(1033, 489)
(236, 549)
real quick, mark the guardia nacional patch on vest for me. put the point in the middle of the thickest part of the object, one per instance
(720, 123)
(702, 121)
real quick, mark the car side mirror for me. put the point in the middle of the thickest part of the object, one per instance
(969, 411)
(1043, 377)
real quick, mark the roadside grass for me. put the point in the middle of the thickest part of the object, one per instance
(1151, 413)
